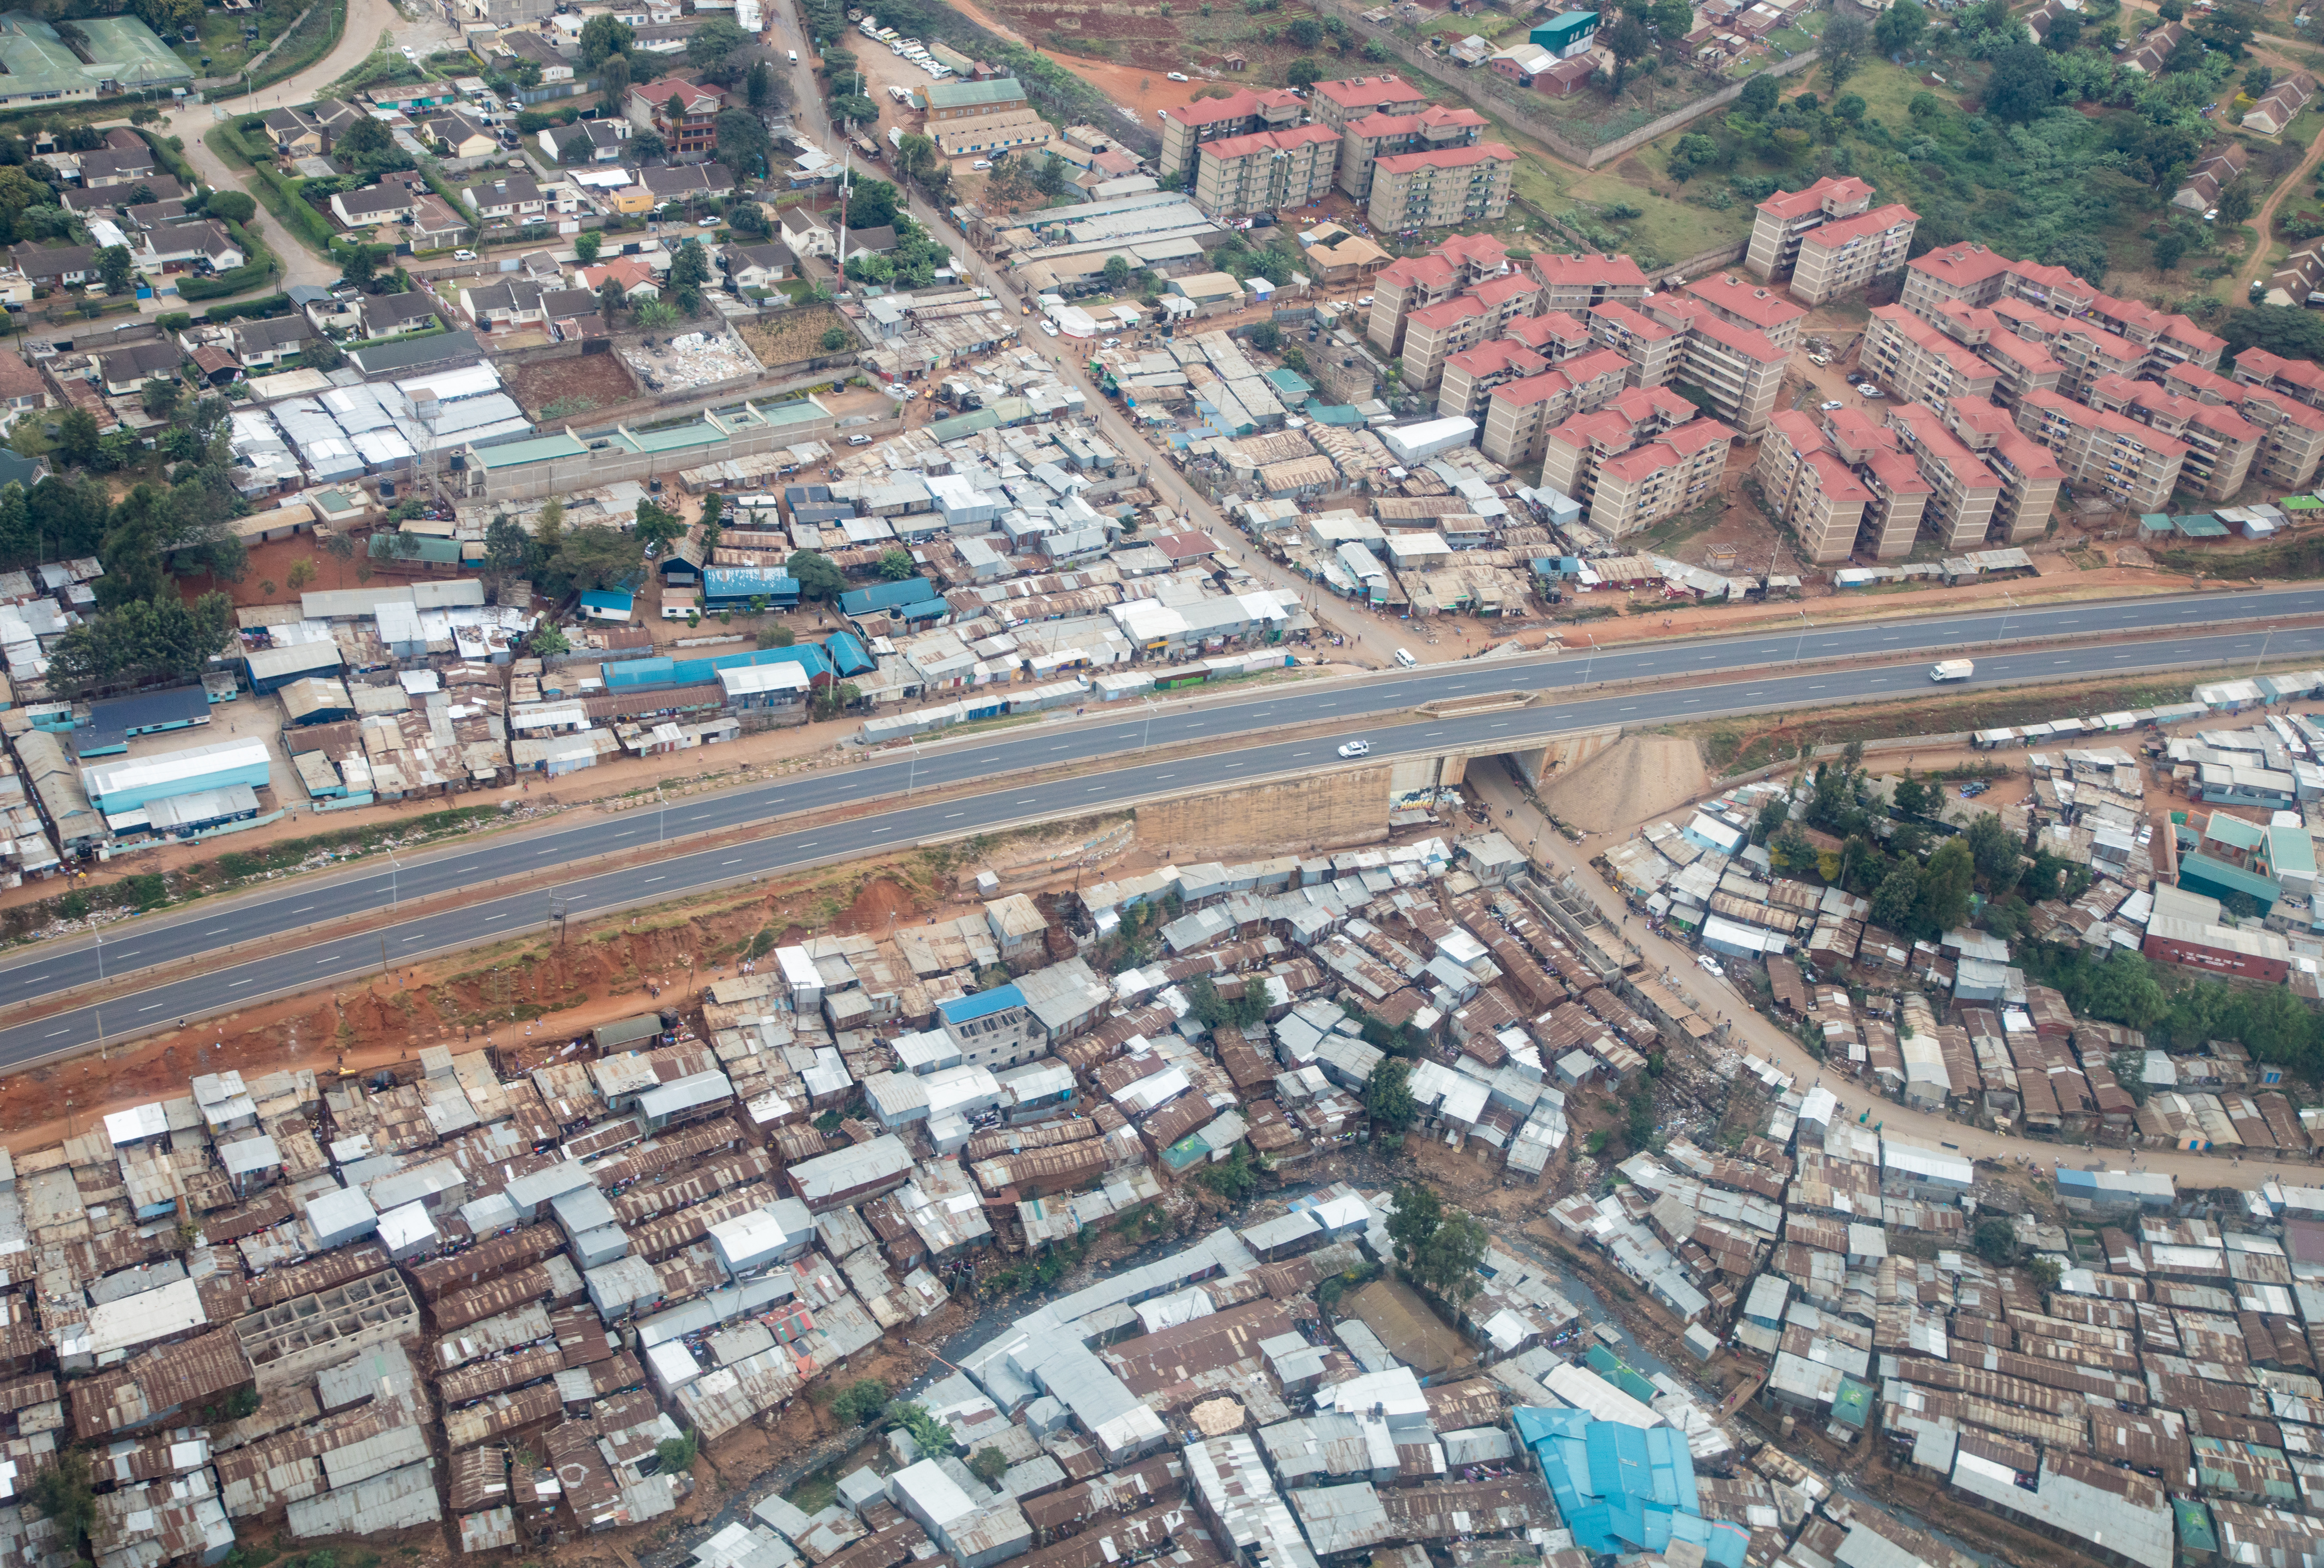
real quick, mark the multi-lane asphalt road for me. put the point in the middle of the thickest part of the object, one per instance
(1858, 661)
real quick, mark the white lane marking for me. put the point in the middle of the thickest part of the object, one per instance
(737, 861)
(651, 880)
(151, 1007)
(240, 982)
(950, 815)
(302, 909)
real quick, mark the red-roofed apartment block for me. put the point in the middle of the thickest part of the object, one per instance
(1738, 366)
(1520, 414)
(2222, 445)
(1339, 103)
(1528, 346)
(1265, 171)
(1917, 362)
(1810, 487)
(1784, 217)
(2135, 467)
(1445, 189)
(1752, 304)
(1364, 143)
(1659, 479)
(1574, 283)
(1962, 491)
(1577, 448)
(1238, 113)
(1842, 257)
(1437, 332)
(2029, 474)
(1416, 282)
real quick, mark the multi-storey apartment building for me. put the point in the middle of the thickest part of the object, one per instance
(1842, 257)
(2302, 381)
(1738, 367)
(2222, 445)
(1659, 479)
(1915, 362)
(1962, 490)
(1520, 414)
(1811, 488)
(2019, 365)
(1266, 171)
(1416, 282)
(1974, 276)
(2028, 472)
(1342, 103)
(1786, 217)
(1443, 189)
(1527, 347)
(1364, 143)
(1656, 349)
(2087, 353)
(1900, 495)
(1484, 311)
(2292, 439)
(1239, 114)
(1753, 306)
(1574, 283)
(2133, 465)
(1578, 447)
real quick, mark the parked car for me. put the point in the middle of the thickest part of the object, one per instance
(1178, 76)
(1050, 327)
(1868, 390)
(1708, 965)
(464, 255)
(1830, 406)
(859, 441)
(981, 163)
(1969, 791)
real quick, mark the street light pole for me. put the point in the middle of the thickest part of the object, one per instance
(1592, 662)
(1800, 649)
(911, 773)
(395, 894)
(2263, 650)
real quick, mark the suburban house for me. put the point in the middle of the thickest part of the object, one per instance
(605, 137)
(125, 370)
(309, 132)
(393, 315)
(174, 247)
(459, 135)
(20, 387)
(635, 278)
(692, 133)
(55, 266)
(804, 233)
(694, 180)
(757, 266)
(510, 303)
(554, 66)
(514, 199)
(108, 166)
(436, 223)
(265, 345)
(372, 206)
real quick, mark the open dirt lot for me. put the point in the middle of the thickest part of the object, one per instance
(785, 336)
(570, 388)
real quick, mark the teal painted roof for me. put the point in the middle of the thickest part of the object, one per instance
(969, 95)
(2218, 878)
(670, 438)
(539, 449)
(2234, 831)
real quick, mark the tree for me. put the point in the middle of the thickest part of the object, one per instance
(1758, 98)
(1900, 27)
(988, 1465)
(508, 550)
(2065, 32)
(595, 556)
(817, 577)
(66, 1500)
(649, 147)
(1388, 1096)
(614, 84)
(1896, 899)
(574, 149)
(1447, 1262)
(2228, 28)
(742, 141)
(1996, 1240)
(1774, 813)
(1116, 273)
(860, 1401)
(1303, 32)
(1671, 19)
(115, 267)
(873, 205)
(364, 137)
(835, 338)
(1625, 40)
(932, 1436)
(77, 437)
(585, 246)
(1375, 51)
(2172, 10)
(2234, 204)
(760, 89)
(831, 700)
(896, 564)
(609, 300)
(160, 396)
(674, 1456)
(2170, 246)
(602, 35)
(139, 641)
(361, 267)
(1302, 72)
(1419, 1213)
(2021, 86)
(658, 527)
(2084, 255)
(1945, 885)
(711, 47)
(1996, 853)
(1845, 40)
(234, 207)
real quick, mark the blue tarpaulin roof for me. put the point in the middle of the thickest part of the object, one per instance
(887, 596)
(982, 1004)
(1620, 1488)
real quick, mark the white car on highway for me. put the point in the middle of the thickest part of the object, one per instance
(1357, 748)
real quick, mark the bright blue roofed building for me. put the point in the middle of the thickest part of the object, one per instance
(734, 587)
(982, 1004)
(614, 604)
(1624, 1489)
(848, 655)
(882, 596)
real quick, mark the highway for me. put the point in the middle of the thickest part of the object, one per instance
(1863, 661)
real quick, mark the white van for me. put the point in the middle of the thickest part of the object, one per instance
(1403, 656)
(794, 53)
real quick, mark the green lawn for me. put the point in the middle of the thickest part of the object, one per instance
(222, 40)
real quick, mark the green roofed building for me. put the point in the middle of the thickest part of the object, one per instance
(960, 100)
(1566, 35)
(125, 55)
